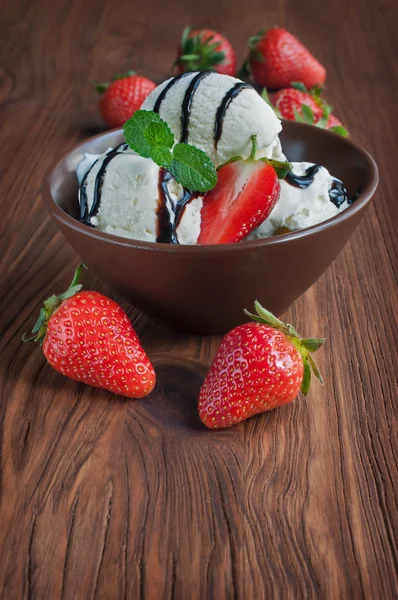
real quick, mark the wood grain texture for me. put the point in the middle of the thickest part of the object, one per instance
(107, 498)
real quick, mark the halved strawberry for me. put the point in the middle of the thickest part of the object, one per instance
(244, 196)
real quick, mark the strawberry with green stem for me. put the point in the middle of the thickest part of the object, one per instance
(296, 103)
(259, 366)
(89, 338)
(122, 97)
(277, 58)
(205, 49)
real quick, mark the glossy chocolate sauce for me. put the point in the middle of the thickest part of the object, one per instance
(169, 213)
(85, 213)
(337, 191)
(187, 103)
(302, 181)
(163, 93)
(222, 109)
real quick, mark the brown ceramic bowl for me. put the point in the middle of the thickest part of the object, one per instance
(204, 289)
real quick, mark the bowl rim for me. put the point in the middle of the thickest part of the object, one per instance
(365, 197)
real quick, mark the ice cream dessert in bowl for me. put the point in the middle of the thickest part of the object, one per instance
(135, 192)
(183, 212)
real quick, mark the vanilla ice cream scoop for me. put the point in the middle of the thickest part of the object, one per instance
(127, 195)
(309, 195)
(218, 114)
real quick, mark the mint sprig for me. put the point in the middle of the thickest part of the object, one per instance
(134, 131)
(151, 137)
(193, 167)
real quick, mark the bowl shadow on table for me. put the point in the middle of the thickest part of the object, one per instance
(172, 405)
(174, 400)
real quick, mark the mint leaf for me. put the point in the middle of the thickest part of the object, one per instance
(159, 134)
(134, 131)
(162, 156)
(192, 168)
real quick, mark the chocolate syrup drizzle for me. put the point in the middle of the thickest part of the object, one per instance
(169, 213)
(302, 181)
(85, 213)
(163, 93)
(222, 109)
(337, 191)
(187, 103)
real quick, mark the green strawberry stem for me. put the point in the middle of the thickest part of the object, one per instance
(50, 306)
(102, 87)
(306, 346)
(198, 53)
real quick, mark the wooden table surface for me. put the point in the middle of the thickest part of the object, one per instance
(107, 498)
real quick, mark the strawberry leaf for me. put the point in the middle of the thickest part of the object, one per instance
(340, 130)
(314, 368)
(281, 168)
(101, 87)
(297, 85)
(268, 317)
(244, 71)
(254, 39)
(231, 160)
(297, 116)
(253, 139)
(312, 344)
(292, 331)
(50, 305)
(185, 35)
(308, 114)
(123, 75)
(265, 96)
(305, 386)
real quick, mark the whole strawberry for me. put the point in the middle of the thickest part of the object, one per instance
(205, 49)
(277, 58)
(89, 338)
(122, 97)
(289, 102)
(296, 103)
(259, 366)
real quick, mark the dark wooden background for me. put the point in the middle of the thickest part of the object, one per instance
(107, 498)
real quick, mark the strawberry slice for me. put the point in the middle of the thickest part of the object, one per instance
(244, 196)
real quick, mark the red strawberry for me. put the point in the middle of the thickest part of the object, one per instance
(245, 194)
(89, 338)
(296, 103)
(333, 122)
(277, 58)
(259, 366)
(206, 49)
(289, 100)
(122, 97)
